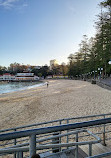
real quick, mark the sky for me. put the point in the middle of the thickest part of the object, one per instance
(37, 31)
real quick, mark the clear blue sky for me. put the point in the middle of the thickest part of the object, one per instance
(37, 31)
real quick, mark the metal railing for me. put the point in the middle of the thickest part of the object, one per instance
(46, 133)
(33, 132)
(61, 121)
(20, 150)
(101, 155)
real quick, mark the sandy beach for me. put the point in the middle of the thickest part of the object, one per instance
(62, 99)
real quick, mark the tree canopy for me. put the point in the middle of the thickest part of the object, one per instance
(95, 52)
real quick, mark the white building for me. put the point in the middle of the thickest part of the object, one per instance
(7, 77)
(37, 67)
(26, 77)
(53, 63)
(19, 77)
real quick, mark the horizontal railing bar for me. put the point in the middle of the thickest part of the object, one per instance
(99, 126)
(101, 155)
(108, 139)
(99, 133)
(62, 135)
(56, 136)
(41, 147)
(44, 151)
(9, 150)
(82, 117)
(25, 144)
(87, 135)
(25, 133)
(9, 143)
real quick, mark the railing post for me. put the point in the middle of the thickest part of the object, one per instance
(32, 145)
(20, 154)
(60, 137)
(104, 134)
(67, 132)
(15, 142)
(55, 141)
(76, 151)
(17, 154)
(90, 149)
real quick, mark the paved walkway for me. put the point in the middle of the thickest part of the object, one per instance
(106, 81)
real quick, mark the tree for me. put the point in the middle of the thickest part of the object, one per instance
(18, 68)
(63, 69)
(103, 36)
(95, 52)
(3, 70)
(43, 71)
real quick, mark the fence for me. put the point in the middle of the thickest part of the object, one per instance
(43, 138)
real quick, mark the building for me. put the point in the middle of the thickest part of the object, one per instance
(53, 63)
(37, 67)
(7, 77)
(26, 77)
(19, 77)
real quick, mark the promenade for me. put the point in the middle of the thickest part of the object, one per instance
(106, 81)
(62, 99)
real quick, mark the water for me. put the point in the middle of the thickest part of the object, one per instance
(17, 86)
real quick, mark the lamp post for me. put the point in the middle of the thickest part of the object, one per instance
(94, 74)
(109, 62)
(100, 69)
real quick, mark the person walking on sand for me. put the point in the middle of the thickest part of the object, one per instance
(47, 84)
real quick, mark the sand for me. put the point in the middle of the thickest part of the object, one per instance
(62, 99)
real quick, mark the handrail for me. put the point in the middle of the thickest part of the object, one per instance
(59, 136)
(25, 133)
(41, 147)
(60, 122)
(100, 155)
(31, 133)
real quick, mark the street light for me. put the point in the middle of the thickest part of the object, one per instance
(94, 74)
(100, 69)
(109, 62)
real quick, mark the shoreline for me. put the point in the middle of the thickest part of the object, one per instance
(39, 83)
(62, 99)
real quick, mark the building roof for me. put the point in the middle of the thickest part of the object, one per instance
(7, 74)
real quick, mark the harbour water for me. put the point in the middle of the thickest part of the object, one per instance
(6, 87)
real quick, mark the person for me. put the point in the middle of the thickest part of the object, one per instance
(47, 84)
(36, 156)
